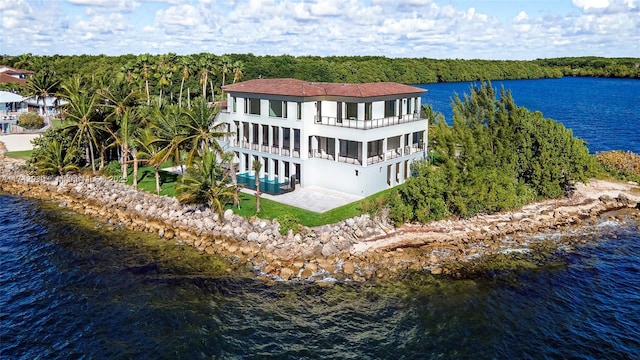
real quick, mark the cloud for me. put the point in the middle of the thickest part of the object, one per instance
(415, 28)
(591, 4)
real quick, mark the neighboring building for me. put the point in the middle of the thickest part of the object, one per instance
(10, 106)
(14, 76)
(354, 138)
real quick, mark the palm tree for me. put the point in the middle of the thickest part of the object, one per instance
(238, 67)
(225, 67)
(41, 85)
(257, 166)
(119, 100)
(55, 159)
(202, 130)
(186, 63)
(229, 158)
(204, 182)
(85, 120)
(205, 63)
(168, 127)
(149, 150)
(143, 66)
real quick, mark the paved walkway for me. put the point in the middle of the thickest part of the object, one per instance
(18, 142)
(313, 198)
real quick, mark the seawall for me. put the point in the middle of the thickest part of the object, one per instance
(357, 249)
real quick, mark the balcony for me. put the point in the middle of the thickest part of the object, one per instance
(366, 124)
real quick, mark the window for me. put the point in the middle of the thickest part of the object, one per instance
(252, 106)
(352, 111)
(299, 115)
(368, 113)
(235, 104)
(389, 108)
(318, 111)
(339, 112)
(277, 108)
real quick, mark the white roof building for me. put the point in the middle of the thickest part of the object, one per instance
(354, 138)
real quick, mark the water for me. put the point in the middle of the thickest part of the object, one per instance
(70, 288)
(603, 112)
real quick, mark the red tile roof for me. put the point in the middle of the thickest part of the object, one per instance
(295, 87)
(4, 78)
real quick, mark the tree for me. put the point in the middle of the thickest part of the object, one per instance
(238, 67)
(120, 99)
(149, 150)
(205, 182)
(56, 159)
(168, 127)
(41, 85)
(229, 159)
(201, 131)
(186, 63)
(84, 121)
(257, 167)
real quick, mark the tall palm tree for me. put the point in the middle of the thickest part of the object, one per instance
(168, 127)
(257, 166)
(41, 85)
(149, 150)
(206, 65)
(85, 121)
(238, 67)
(205, 182)
(143, 68)
(119, 100)
(229, 158)
(225, 67)
(185, 62)
(201, 130)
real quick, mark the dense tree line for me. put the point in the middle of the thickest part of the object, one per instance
(203, 74)
(496, 156)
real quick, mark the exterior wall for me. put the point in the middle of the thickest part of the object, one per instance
(362, 177)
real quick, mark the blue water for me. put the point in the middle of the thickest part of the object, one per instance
(603, 112)
(69, 289)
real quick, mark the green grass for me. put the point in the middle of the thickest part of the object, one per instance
(57, 123)
(272, 209)
(147, 180)
(23, 155)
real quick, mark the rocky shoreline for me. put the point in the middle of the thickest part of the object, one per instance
(358, 249)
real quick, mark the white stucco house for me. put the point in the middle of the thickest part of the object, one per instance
(354, 138)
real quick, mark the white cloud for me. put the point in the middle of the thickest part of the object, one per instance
(591, 4)
(416, 28)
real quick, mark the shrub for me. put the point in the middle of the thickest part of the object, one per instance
(288, 222)
(620, 164)
(30, 120)
(113, 169)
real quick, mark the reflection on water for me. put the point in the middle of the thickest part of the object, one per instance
(69, 288)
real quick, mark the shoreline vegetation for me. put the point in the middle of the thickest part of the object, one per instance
(357, 249)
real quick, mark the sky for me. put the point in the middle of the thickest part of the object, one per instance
(441, 29)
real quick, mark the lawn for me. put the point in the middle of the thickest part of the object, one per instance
(23, 155)
(272, 209)
(147, 180)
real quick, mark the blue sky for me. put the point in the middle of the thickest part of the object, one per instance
(483, 29)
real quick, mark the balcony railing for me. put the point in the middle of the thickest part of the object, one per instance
(321, 154)
(366, 124)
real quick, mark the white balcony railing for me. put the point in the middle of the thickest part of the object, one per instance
(366, 124)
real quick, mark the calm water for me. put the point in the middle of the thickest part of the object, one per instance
(71, 289)
(603, 112)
